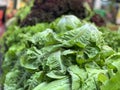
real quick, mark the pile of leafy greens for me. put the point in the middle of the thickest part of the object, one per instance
(66, 54)
(111, 37)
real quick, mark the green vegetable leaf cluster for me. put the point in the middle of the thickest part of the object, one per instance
(63, 55)
(111, 37)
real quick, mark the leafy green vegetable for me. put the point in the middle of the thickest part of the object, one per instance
(11, 80)
(76, 79)
(82, 36)
(65, 23)
(63, 55)
(34, 80)
(62, 84)
(113, 83)
(111, 37)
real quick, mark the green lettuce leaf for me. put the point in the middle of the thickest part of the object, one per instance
(65, 23)
(34, 80)
(113, 83)
(77, 77)
(82, 36)
(62, 84)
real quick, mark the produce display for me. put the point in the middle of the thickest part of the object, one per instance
(60, 48)
(66, 54)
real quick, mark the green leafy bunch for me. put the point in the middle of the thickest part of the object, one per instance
(65, 54)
